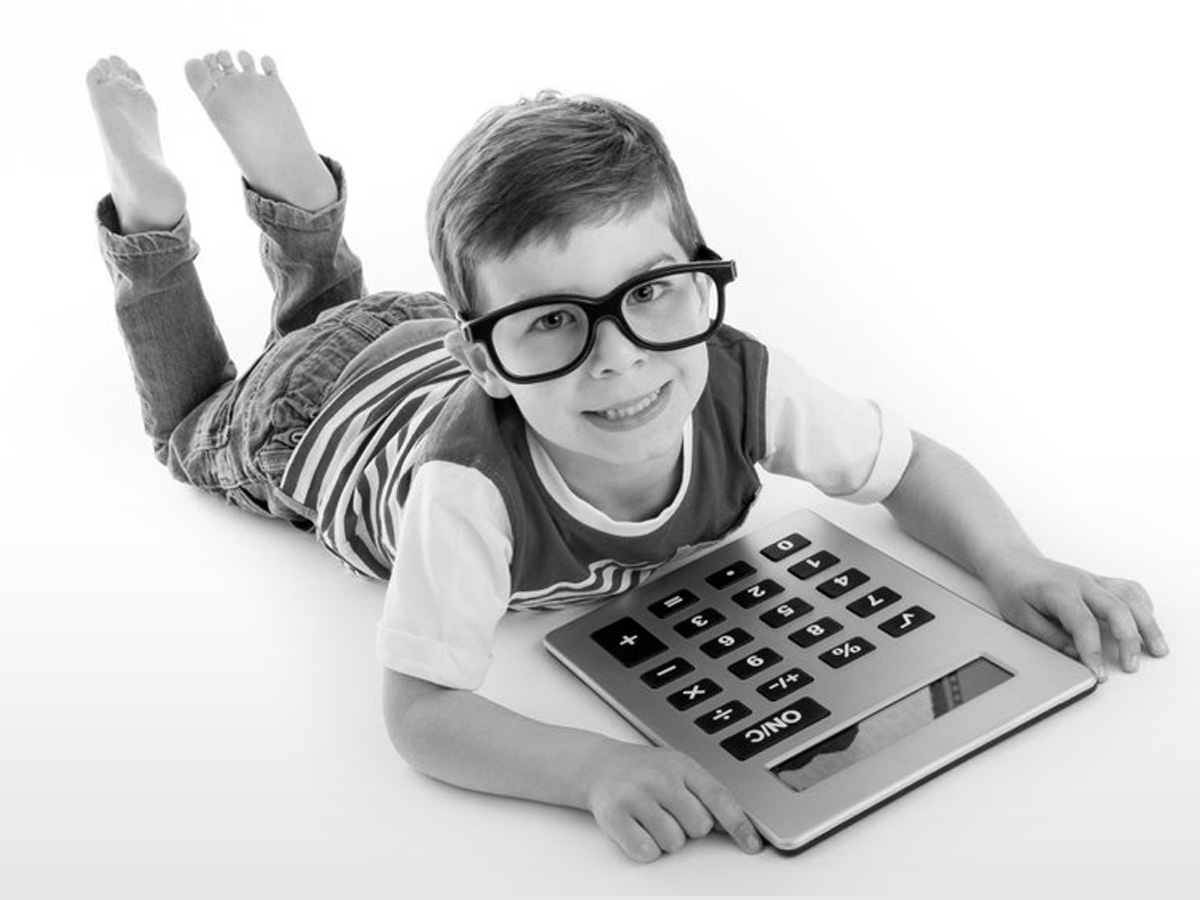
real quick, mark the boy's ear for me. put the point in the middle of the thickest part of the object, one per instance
(475, 358)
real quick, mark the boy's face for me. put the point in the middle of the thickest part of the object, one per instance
(624, 406)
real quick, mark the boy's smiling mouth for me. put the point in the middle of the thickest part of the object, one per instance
(632, 414)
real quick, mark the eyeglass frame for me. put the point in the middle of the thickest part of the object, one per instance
(608, 306)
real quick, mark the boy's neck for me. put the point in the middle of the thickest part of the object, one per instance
(624, 493)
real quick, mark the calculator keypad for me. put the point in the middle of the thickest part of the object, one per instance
(706, 626)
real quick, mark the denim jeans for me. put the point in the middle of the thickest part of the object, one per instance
(228, 435)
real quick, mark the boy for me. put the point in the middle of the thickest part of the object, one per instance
(588, 417)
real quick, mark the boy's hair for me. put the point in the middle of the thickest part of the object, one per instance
(535, 170)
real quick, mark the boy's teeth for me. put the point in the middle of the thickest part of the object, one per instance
(625, 412)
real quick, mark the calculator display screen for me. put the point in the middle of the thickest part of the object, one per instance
(887, 725)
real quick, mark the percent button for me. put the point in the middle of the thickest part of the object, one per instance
(847, 651)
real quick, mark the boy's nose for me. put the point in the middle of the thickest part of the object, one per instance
(612, 352)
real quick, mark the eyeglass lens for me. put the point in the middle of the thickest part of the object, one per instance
(547, 337)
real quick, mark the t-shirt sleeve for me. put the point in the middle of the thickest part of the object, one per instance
(848, 448)
(450, 580)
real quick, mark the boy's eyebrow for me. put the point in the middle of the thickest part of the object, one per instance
(664, 257)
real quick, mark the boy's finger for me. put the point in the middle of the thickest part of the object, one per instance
(690, 813)
(634, 841)
(1045, 630)
(1142, 610)
(728, 813)
(663, 829)
(1079, 622)
(1120, 622)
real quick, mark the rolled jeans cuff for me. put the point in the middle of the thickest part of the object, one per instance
(143, 243)
(284, 215)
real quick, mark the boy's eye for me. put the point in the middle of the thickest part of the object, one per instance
(551, 321)
(645, 293)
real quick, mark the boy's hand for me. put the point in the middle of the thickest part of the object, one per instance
(650, 800)
(1063, 606)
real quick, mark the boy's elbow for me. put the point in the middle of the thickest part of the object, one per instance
(401, 695)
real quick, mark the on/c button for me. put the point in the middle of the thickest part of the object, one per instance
(788, 721)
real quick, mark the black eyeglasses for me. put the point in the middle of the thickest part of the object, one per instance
(664, 309)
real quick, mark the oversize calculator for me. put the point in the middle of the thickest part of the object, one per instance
(812, 674)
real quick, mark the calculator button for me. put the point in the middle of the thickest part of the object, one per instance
(786, 612)
(755, 663)
(847, 651)
(817, 631)
(735, 571)
(767, 732)
(909, 620)
(839, 584)
(673, 604)
(818, 562)
(727, 642)
(694, 694)
(756, 593)
(705, 619)
(723, 715)
(873, 602)
(785, 547)
(628, 641)
(668, 672)
(782, 685)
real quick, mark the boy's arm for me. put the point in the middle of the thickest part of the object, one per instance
(944, 502)
(646, 799)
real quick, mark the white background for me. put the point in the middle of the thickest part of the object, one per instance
(982, 215)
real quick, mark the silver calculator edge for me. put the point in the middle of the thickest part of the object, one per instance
(823, 810)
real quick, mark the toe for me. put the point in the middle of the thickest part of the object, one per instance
(225, 61)
(214, 68)
(199, 76)
(95, 75)
(268, 65)
(246, 60)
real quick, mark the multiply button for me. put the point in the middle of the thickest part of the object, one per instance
(785, 547)
(789, 721)
(839, 584)
(723, 716)
(673, 604)
(628, 641)
(818, 562)
(733, 572)
(694, 694)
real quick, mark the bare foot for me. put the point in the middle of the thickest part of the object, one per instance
(259, 122)
(147, 195)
